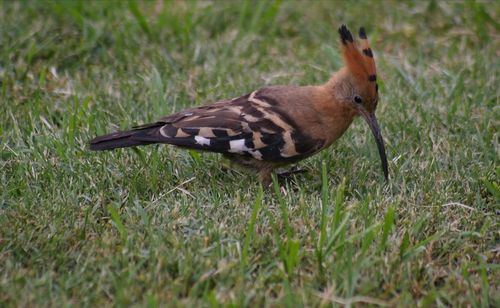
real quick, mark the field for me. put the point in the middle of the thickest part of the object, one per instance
(157, 225)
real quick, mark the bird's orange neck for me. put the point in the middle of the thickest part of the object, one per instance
(336, 116)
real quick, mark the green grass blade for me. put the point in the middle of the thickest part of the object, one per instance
(136, 12)
(324, 207)
(117, 222)
(251, 224)
(387, 227)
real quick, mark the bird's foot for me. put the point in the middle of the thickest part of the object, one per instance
(288, 174)
(287, 177)
(283, 178)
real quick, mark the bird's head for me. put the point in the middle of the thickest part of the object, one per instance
(355, 85)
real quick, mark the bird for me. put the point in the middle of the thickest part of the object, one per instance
(273, 126)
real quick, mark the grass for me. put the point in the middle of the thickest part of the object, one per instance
(158, 225)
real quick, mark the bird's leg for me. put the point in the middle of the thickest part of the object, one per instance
(265, 177)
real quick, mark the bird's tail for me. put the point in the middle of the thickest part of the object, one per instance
(137, 136)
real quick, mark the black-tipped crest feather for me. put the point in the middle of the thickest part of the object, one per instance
(345, 34)
(362, 33)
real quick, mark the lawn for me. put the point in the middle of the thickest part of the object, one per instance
(159, 225)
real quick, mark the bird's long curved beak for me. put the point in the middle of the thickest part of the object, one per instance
(372, 122)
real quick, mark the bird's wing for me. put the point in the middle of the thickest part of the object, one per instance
(252, 125)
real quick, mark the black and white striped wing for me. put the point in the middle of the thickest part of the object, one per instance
(249, 125)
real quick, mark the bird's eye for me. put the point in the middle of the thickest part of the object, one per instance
(358, 99)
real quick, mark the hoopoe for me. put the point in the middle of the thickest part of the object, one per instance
(273, 126)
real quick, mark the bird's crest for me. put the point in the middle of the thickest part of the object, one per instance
(359, 60)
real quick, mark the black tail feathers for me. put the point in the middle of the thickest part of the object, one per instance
(141, 135)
